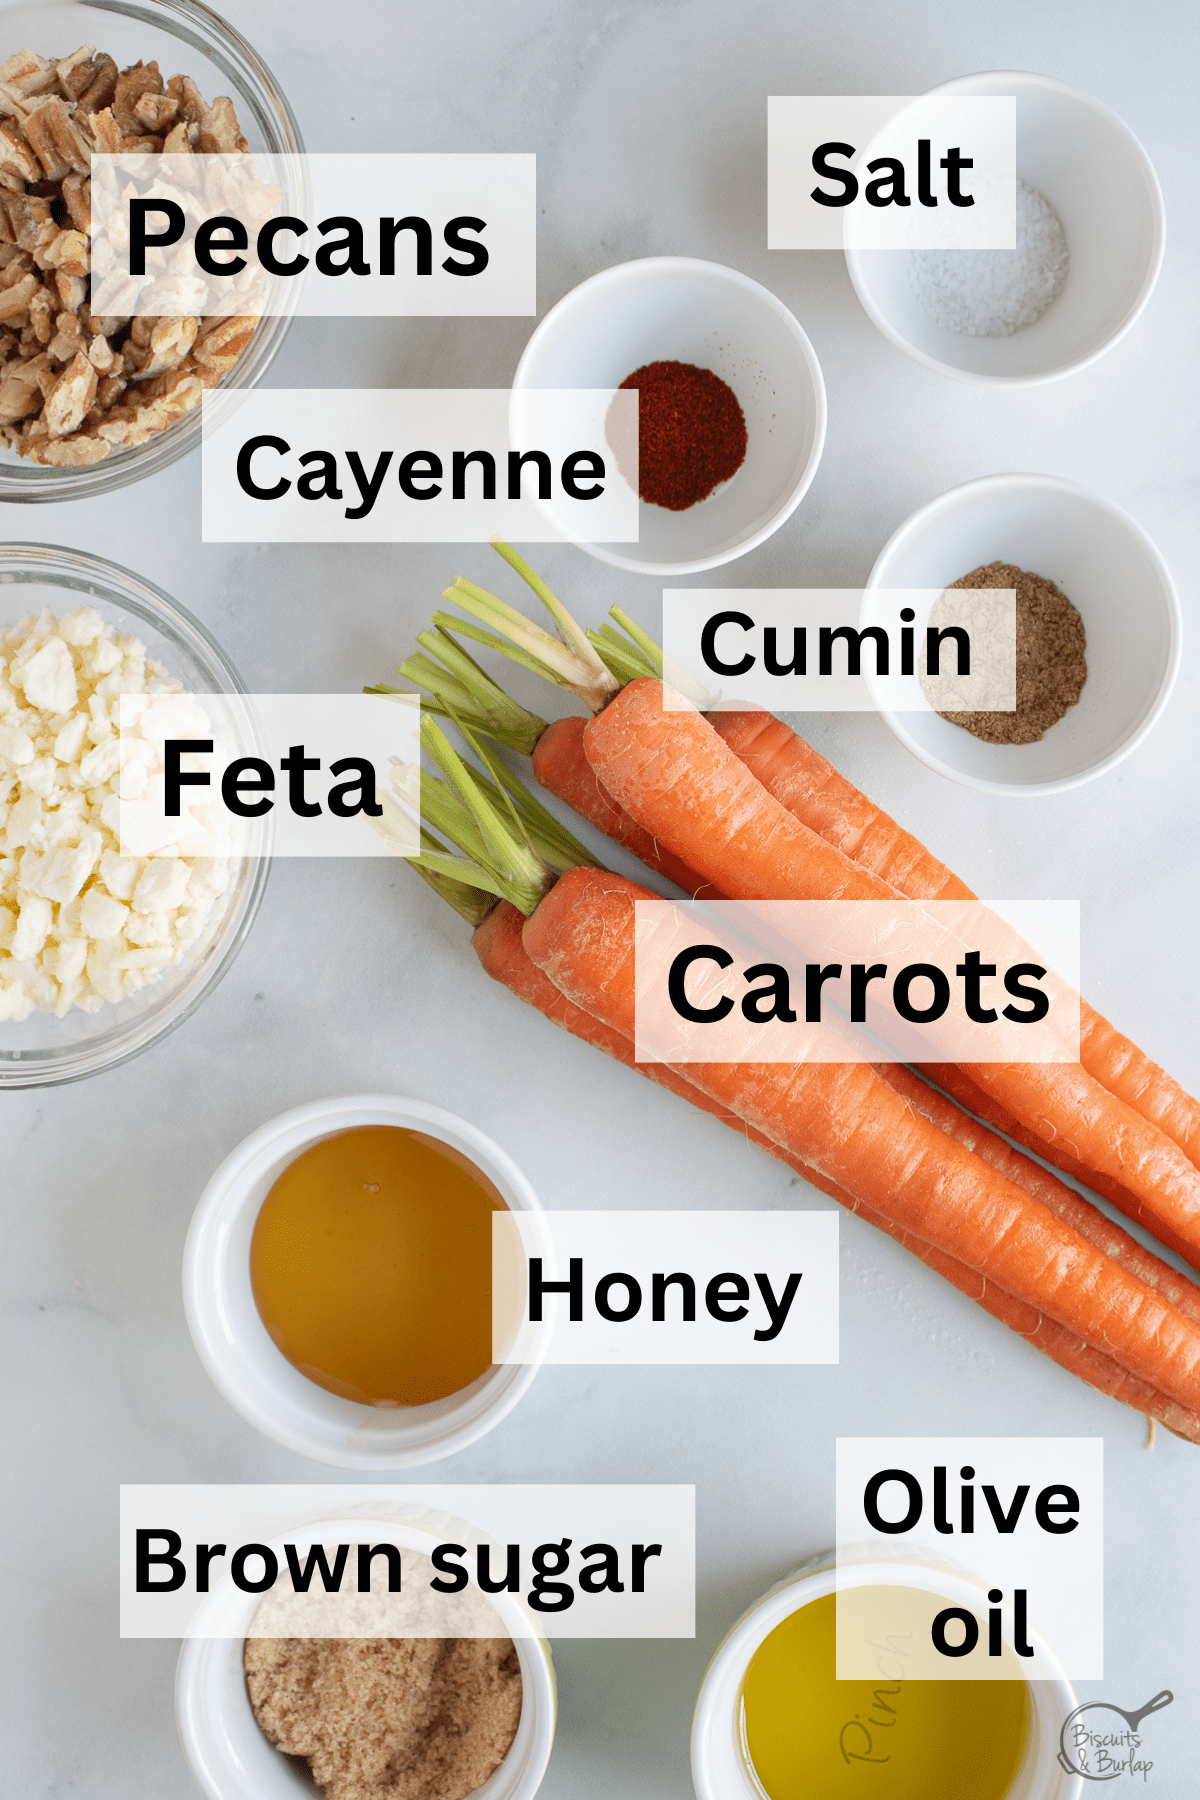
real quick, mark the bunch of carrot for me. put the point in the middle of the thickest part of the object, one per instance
(740, 807)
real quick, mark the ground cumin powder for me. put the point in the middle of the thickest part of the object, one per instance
(1051, 661)
(388, 1718)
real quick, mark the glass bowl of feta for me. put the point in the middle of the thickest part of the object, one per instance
(100, 954)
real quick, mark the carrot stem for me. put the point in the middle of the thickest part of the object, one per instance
(506, 857)
(572, 635)
(574, 665)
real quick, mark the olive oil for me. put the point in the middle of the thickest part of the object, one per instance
(811, 1737)
(371, 1265)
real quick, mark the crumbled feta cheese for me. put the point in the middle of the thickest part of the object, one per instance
(80, 924)
(71, 738)
(34, 920)
(102, 916)
(162, 885)
(16, 746)
(119, 873)
(50, 678)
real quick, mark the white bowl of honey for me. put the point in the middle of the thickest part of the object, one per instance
(772, 1722)
(337, 1281)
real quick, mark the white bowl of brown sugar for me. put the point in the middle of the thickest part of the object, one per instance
(270, 1705)
(1054, 542)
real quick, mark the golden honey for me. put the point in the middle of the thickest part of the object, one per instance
(371, 1265)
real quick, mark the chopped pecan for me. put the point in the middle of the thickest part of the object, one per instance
(77, 198)
(37, 129)
(132, 83)
(29, 73)
(192, 104)
(16, 155)
(70, 138)
(100, 354)
(41, 316)
(17, 399)
(109, 390)
(110, 140)
(70, 397)
(75, 72)
(223, 342)
(68, 339)
(14, 266)
(220, 133)
(170, 342)
(71, 452)
(102, 86)
(155, 112)
(15, 300)
(32, 220)
(209, 378)
(11, 103)
(101, 326)
(68, 252)
(72, 290)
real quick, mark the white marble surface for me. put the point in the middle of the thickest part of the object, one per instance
(649, 124)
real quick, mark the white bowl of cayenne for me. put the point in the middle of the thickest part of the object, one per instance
(1108, 568)
(678, 310)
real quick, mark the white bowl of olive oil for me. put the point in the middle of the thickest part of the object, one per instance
(337, 1281)
(771, 1717)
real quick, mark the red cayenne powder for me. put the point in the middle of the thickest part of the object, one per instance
(691, 434)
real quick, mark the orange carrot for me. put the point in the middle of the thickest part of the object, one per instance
(974, 1099)
(682, 783)
(814, 792)
(1062, 1200)
(500, 949)
(562, 768)
(858, 1132)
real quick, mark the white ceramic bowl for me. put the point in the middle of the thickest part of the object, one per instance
(720, 1770)
(676, 309)
(1101, 183)
(233, 1343)
(1111, 571)
(228, 1755)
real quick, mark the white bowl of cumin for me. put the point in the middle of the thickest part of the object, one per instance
(1113, 575)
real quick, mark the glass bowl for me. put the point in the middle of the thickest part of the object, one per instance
(185, 38)
(43, 1050)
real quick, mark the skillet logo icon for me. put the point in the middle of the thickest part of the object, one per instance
(1091, 1745)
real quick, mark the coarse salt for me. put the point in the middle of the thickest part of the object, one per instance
(992, 293)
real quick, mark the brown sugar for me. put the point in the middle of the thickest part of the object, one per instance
(388, 1718)
(1051, 659)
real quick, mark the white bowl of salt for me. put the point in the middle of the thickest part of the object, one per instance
(1053, 306)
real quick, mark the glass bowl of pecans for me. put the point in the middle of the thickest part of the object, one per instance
(91, 403)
